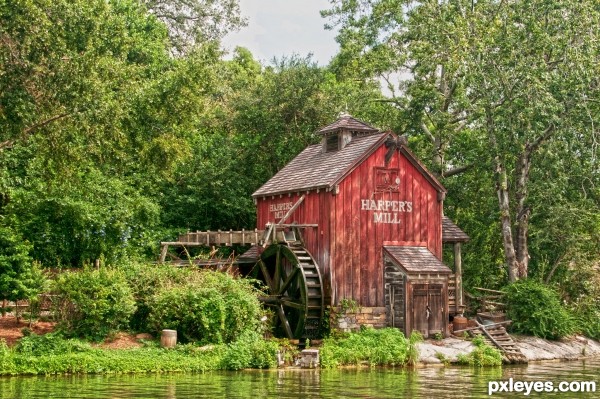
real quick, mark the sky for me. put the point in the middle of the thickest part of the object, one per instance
(284, 27)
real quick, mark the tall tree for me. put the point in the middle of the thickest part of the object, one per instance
(514, 75)
(192, 22)
(70, 72)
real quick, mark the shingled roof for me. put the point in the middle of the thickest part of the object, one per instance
(451, 232)
(313, 168)
(347, 122)
(416, 259)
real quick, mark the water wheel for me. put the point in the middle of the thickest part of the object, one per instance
(295, 289)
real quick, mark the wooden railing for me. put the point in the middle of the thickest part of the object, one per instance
(491, 300)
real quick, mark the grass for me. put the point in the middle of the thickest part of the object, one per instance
(384, 347)
(483, 355)
(57, 355)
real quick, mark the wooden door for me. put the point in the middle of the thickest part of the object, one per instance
(435, 299)
(420, 309)
(428, 309)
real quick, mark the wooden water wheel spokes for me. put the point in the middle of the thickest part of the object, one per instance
(295, 289)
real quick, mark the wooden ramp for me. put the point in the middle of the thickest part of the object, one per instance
(496, 335)
(212, 238)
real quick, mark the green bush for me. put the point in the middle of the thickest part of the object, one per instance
(20, 276)
(250, 351)
(211, 307)
(93, 303)
(145, 280)
(536, 309)
(587, 316)
(386, 346)
(483, 355)
(49, 344)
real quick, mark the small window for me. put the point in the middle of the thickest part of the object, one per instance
(332, 143)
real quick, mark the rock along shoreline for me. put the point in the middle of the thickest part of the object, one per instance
(535, 349)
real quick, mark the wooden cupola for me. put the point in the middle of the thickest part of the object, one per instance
(338, 134)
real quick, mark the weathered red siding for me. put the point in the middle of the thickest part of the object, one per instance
(349, 240)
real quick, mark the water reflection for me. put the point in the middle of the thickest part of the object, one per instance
(447, 382)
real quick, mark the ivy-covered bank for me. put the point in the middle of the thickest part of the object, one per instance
(54, 354)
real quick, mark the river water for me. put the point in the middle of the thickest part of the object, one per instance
(429, 382)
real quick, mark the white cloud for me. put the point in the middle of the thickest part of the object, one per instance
(284, 27)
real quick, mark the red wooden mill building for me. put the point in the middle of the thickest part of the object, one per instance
(355, 219)
(372, 218)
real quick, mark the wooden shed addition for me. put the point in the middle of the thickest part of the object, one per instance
(372, 219)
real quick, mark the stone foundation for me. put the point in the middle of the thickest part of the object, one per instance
(352, 321)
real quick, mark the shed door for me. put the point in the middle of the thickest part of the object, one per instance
(428, 309)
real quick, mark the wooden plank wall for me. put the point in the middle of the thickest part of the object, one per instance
(357, 241)
(348, 243)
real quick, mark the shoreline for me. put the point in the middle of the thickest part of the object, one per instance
(535, 349)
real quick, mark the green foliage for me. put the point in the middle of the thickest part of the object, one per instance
(192, 22)
(521, 122)
(587, 317)
(536, 309)
(50, 344)
(20, 277)
(386, 347)
(349, 305)
(90, 218)
(93, 303)
(145, 281)
(211, 307)
(53, 354)
(482, 356)
(250, 350)
(413, 350)
(442, 358)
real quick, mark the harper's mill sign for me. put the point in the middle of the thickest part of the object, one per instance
(386, 211)
(383, 211)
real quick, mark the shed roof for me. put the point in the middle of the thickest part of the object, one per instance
(347, 122)
(451, 232)
(313, 168)
(416, 259)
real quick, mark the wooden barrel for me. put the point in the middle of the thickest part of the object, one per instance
(168, 338)
(459, 323)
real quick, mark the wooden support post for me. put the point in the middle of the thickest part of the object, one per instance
(458, 276)
(163, 253)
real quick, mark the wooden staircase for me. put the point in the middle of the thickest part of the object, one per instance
(455, 302)
(496, 335)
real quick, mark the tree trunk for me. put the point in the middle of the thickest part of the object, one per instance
(523, 211)
(522, 214)
(507, 238)
(503, 202)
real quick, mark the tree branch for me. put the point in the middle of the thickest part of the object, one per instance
(43, 123)
(530, 148)
(427, 132)
(6, 144)
(457, 170)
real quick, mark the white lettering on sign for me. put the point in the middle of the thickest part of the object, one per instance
(279, 210)
(390, 209)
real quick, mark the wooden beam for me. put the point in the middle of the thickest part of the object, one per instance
(292, 209)
(458, 277)
(502, 323)
(163, 252)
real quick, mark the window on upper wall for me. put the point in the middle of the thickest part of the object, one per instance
(332, 143)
